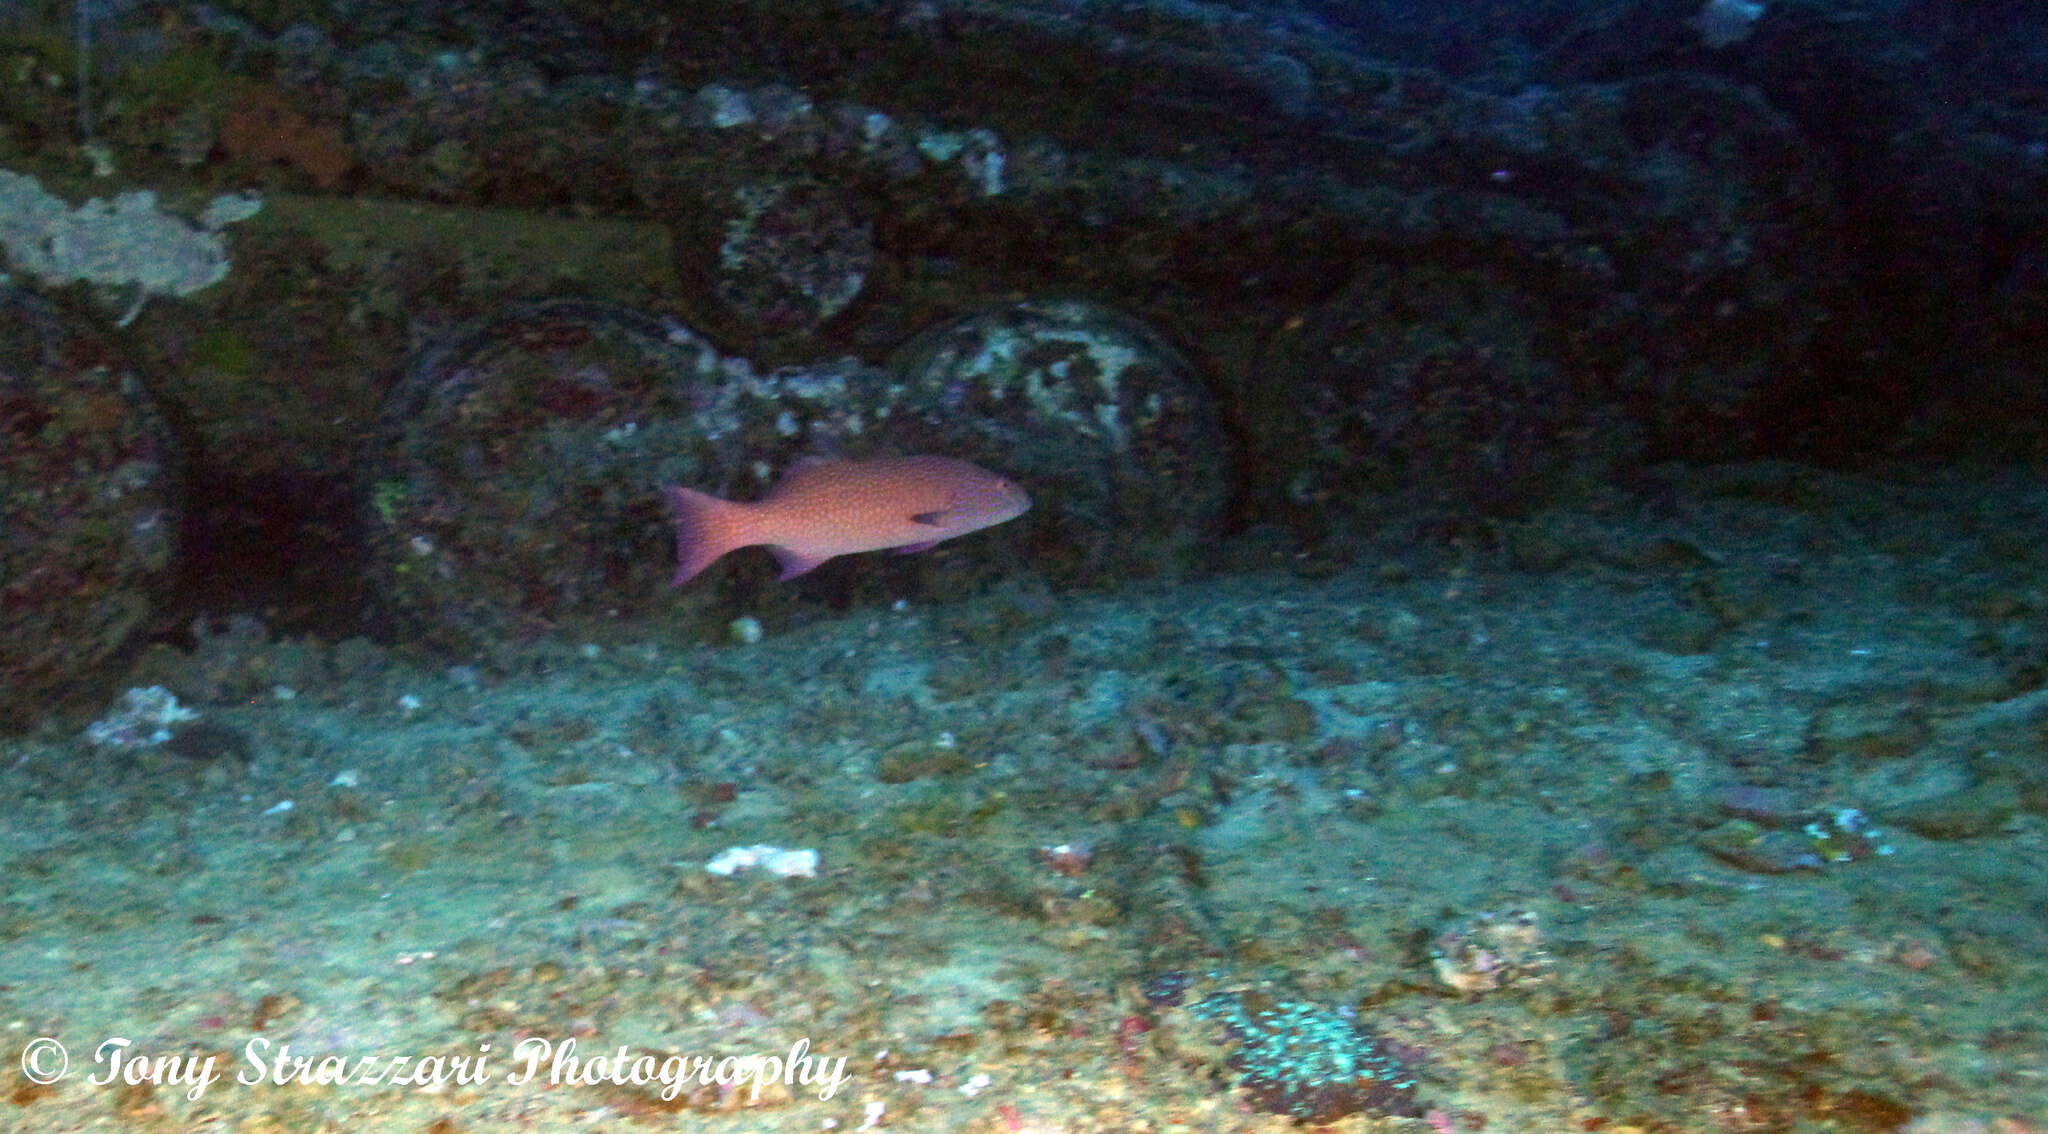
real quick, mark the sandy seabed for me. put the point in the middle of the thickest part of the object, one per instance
(1722, 814)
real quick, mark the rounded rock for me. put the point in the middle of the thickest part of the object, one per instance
(1096, 414)
(523, 454)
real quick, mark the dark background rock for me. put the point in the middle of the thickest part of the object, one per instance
(89, 519)
(1439, 260)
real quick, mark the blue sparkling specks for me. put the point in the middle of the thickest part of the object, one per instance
(1307, 1061)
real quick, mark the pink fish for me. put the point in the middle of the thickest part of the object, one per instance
(823, 508)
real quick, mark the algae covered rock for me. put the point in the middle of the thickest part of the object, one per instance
(88, 512)
(524, 456)
(517, 488)
(1095, 413)
(793, 253)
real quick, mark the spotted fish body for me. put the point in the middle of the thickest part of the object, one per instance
(823, 508)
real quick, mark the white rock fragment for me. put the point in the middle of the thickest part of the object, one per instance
(940, 145)
(727, 107)
(143, 720)
(979, 150)
(762, 856)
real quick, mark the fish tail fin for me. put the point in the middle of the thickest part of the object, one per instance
(706, 528)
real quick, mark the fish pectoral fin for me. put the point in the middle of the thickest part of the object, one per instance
(794, 562)
(914, 548)
(931, 519)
